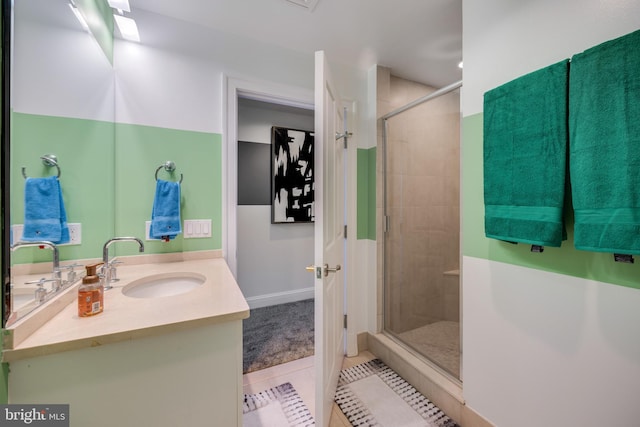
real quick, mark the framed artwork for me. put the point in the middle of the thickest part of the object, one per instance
(292, 183)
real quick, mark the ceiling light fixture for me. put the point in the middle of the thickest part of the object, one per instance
(128, 28)
(79, 16)
(120, 5)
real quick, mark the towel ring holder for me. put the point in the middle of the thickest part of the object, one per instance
(47, 160)
(169, 166)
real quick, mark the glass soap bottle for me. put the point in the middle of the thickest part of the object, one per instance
(91, 293)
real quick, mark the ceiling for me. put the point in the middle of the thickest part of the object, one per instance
(420, 40)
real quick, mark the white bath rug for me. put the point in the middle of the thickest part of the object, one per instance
(371, 394)
(279, 406)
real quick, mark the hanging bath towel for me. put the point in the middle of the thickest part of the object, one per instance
(525, 157)
(604, 130)
(165, 217)
(45, 217)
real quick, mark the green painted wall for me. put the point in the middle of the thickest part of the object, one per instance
(565, 259)
(108, 180)
(85, 154)
(366, 203)
(198, 157)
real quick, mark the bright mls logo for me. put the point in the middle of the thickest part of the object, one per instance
(34, 415)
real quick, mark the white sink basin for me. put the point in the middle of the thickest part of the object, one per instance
(163, 285)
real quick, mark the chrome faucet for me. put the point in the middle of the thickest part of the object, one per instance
(56, 274)
(106, 267)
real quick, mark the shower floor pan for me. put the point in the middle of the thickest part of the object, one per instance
(439, 342)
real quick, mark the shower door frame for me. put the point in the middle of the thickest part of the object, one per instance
(386, 222)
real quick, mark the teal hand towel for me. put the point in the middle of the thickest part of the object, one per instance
(45, 217)
(525, 157)
(165, 216)
(604, 132)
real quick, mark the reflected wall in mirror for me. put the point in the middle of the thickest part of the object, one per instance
(62, 103)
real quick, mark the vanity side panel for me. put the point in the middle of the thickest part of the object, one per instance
(191, 377)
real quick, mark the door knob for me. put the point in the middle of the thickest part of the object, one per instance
(319, 271)
(328, 270)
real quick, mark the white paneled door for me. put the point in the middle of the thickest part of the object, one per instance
(329, 239)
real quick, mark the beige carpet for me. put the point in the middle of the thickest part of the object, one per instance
(278, 334)
(439, 341)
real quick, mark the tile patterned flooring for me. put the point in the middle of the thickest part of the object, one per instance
(300, 373)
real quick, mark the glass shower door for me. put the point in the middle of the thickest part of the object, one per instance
(421, 244)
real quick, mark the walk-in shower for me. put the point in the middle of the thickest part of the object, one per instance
(420, 174)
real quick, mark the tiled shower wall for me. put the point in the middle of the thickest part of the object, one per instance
(423, 186)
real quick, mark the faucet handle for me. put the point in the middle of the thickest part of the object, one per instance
(113, 272)
(41, 292)
(70, 266)
(71, 274)
(39, 282)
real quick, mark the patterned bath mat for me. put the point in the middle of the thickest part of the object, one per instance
(371, 394)
(279, 406)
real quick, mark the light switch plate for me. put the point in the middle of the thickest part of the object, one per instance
(197, 228)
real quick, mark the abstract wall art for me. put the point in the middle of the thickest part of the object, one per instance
(292, 185)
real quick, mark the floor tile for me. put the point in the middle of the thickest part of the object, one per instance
(301, 374)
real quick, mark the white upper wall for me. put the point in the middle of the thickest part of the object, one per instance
(58, 69)
(164, 89)
(181, 86)
(505, 39)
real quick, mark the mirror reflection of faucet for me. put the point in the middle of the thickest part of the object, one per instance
(40, 293)
(57, 283)
(56, 274)
(109, 268)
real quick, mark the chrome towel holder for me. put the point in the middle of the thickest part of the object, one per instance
(47, 160)
(169, 166)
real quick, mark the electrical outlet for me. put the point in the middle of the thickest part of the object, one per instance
(16, 229)
(75, 233)
(147, 231)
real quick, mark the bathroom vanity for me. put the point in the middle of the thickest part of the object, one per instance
(158, 355)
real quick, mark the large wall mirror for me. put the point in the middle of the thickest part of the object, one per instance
(62, 104)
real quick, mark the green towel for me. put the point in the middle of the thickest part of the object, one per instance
(604, 130)
(525, 157)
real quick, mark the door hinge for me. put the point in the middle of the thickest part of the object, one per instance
(345, 321)
(345, 231)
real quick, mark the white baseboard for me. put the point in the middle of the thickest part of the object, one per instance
(280, 298)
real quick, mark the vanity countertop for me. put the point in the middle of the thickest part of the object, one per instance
(217, 300)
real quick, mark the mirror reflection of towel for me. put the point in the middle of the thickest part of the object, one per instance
(165, 217)
(45, 217)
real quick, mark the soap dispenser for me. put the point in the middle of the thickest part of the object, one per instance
(91, 293)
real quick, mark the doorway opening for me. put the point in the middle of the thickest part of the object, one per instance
(271, 255)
